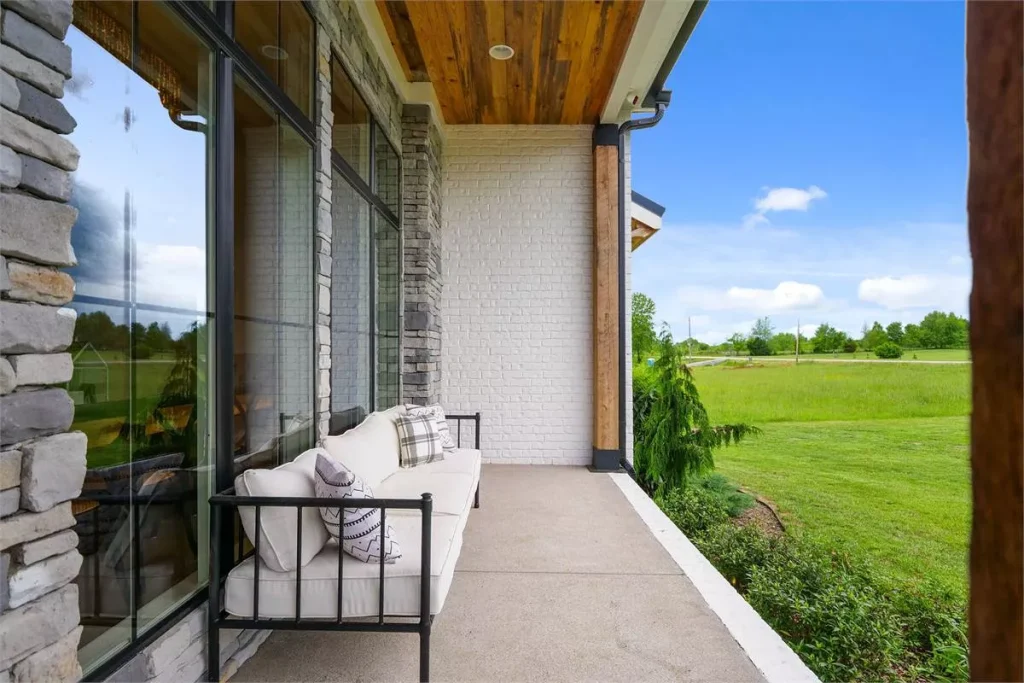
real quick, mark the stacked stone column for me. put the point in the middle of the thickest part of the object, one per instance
(421, 228)
(42, 465)
(324, 119)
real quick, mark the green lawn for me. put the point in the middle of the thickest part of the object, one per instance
(872, 456)
(781, 392)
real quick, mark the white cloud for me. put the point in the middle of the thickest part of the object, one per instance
(781, 199)
(788, 199)
(787, 296)
(916, 291)
(167, 275)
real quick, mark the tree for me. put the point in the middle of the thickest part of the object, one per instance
(756, 346)
(874, 336)
(674, 435)
(645, 339)
(894, 331)
(738, 342)
(944, 331)
(827, 339)
(912, 338)
(762, 329)
(783, 343)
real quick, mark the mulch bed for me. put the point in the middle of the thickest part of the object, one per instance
(763, 516)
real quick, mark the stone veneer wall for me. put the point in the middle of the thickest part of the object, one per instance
(42, 466)
(421, 228)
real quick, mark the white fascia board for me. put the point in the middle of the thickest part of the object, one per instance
(645, 216)
(656, 30)
(411, 93)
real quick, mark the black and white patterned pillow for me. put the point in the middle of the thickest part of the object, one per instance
(437, 412)
(419, 440)
(361, 526)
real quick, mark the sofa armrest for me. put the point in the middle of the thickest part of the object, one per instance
(459, 419)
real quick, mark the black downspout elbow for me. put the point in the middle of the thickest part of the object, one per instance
(632, 124)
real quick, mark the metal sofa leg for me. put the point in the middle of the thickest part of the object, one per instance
(476, 497)
(425, 652)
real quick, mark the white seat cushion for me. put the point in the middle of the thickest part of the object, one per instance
(370, 450)
(277, 539)
(361, 581)
(452, 492)
(459, 460)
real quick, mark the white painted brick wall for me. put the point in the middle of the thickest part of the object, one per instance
(516, 305)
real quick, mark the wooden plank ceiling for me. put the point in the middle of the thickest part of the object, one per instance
(567, 53)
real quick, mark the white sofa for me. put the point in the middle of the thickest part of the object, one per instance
(371, 451)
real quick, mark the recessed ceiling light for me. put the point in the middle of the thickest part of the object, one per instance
(501, 52)
(274, 52)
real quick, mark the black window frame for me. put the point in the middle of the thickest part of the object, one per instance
(377, 206)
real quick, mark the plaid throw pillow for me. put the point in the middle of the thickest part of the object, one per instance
(418, 439)
(437, 412)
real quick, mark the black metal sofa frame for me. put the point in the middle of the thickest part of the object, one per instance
(217, 617)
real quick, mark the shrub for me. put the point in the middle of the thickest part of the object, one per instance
(888, 350)
(694, 509)
(846, 621)
(850, 346)
(758, 347)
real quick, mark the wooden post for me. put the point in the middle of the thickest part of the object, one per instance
(995, 209)
(606, 451)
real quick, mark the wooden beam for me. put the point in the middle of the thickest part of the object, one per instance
(606, 298)
(995, 209)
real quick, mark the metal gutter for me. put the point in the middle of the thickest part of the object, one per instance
(628, 126)
(658, 85)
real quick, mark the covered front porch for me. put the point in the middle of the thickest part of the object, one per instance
(560, 578)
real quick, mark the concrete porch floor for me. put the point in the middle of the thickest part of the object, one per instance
(559, 580)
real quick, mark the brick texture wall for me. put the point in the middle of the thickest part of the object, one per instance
(516, 305)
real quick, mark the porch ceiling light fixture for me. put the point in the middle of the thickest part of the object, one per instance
(274, 53)
(501, 52)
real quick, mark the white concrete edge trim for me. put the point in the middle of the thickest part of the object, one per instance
(411, 93)
(765, 648)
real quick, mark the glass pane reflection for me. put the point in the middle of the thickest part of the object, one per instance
(142, 100)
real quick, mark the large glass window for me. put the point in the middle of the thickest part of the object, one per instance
(350, 136)
(350, 306)
(387, 170)
(143, 101)
(279, 36)
(273, 362)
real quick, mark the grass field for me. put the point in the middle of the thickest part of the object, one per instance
(872, 456)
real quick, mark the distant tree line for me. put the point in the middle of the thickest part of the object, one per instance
(98, 329)
(937, 330)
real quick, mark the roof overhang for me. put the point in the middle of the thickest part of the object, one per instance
(575, 62)
(645, 219)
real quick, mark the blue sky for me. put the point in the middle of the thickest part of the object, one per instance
(813, 165)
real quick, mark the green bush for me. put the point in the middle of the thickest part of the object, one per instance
(758, 347)
(846, 621)
(889, 350)
(850, 346)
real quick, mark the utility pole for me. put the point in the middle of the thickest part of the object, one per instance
(689, 336)
(798, 340)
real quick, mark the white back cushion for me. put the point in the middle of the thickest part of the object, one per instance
(279, 524)
(370, 450)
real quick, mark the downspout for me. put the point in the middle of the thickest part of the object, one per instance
(662, 102)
